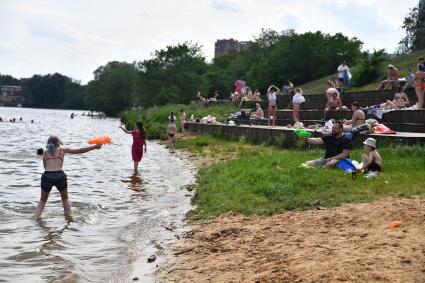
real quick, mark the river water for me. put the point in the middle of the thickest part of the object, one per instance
(118, 218)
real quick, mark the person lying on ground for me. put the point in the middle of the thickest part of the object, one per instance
(357, 119)
(337, 146)
(259, 113)
(371, 161)
(392, 78)
(334, 104)
(400, 101)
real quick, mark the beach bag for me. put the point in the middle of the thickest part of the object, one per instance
(346, 165)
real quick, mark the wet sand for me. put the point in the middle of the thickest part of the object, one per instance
(348, 243)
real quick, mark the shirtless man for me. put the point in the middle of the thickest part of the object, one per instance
(334, 104)
(183, 121)
(393, 76)
(420, 85)
(357, 119)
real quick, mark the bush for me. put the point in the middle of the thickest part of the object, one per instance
(369, 69)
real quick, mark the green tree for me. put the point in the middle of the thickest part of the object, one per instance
(173, 75)
(112, 89)
(414, 26)
(369, 68)
(53, 91)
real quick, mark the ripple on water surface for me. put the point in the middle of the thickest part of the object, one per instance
(115, 214)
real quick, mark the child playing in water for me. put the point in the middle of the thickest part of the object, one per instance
(139, 142)
(53, 174)
(371, 161)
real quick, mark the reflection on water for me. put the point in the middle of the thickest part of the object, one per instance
(135, 182)
(117, 215)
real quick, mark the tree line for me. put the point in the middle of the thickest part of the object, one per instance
(175, 74)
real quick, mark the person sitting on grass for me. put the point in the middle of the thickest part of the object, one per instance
(357, 119)
(400, 101)
(259, 113)
(334, 104)
(337, 146)
(371, 161)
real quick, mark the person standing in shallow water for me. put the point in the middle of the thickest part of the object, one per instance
(54, 176)
(139, 143)
(171, 131)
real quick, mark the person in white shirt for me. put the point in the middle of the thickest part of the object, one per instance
(296, 102)
(341, 70)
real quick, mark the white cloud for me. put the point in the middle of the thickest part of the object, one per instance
(75, 37)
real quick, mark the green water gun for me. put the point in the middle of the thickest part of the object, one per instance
(301, 133)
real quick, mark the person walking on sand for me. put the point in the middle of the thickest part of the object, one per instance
(139, 143)
(183, 121)
(54, 176)
(171, 131)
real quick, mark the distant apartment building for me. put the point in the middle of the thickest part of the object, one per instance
(224, 46)
(11, 93)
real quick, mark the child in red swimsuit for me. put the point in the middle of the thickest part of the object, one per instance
(139, 142)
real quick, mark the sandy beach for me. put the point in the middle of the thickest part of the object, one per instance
(349, 243)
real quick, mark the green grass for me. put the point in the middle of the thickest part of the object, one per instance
(264, 180)
(155, 119)
(402, 62)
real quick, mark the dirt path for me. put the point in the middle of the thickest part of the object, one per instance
(349, 243)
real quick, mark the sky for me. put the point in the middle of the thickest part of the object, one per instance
(75, 37)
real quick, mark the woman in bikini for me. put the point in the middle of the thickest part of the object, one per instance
(171, 131)
(271, 95)
(400, 101)
(420, 85)
(53, 175)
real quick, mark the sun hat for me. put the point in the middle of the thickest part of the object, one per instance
(370, 142)
(390, 66)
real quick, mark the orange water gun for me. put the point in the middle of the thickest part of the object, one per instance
(100, 140)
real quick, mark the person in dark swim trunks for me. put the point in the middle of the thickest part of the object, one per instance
(171, 131)
(371, 161)
(53, 175)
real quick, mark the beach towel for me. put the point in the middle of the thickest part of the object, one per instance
(382, 129)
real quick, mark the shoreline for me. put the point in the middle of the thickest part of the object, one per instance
(347, 243)
(351, 242)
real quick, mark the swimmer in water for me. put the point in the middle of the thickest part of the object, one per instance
(53, 175)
